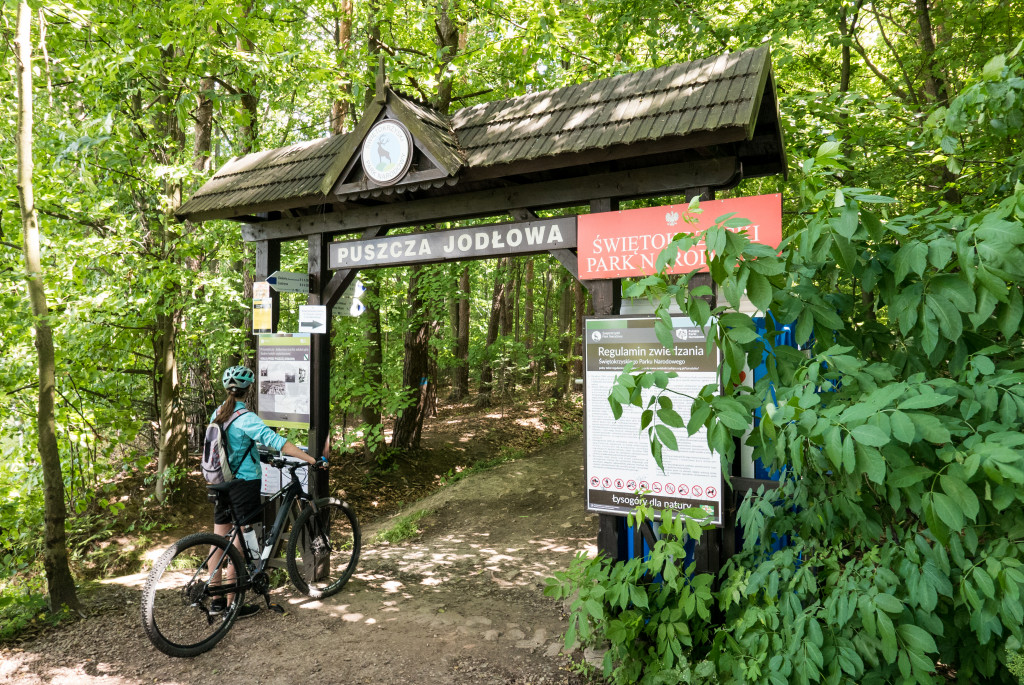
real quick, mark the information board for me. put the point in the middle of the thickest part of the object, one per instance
(620, 470)
(273, 478)
(284, 380)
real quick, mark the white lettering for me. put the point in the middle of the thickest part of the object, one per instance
(396, 249)
(465, 242)
(357, 252)
(370, 252)
(611, 244)
(410, 248)
(451, 244)
(496, 241)
(481, 240)
(534, 235)
(694, 257)
(425, 247)
(514, 237)
(342, 254)
(597, 245)
(555, 235)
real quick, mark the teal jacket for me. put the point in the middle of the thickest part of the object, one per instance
(243, 434)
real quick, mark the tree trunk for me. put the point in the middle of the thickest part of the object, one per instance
(507, 382)
(577, 339)
(528, 324)
(172, 440)
(203, 129)
(172, 443)
(415, 372)
(460, 387)
(342, 40)
(565, 302)
(549, 357)
(936, 90)
(371, 412)
(446, 37)
(60, 585)
(493, 326)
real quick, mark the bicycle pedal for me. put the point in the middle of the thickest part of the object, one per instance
(276, 608)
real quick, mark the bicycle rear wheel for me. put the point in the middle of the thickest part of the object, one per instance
(180, 598)
(323, 548)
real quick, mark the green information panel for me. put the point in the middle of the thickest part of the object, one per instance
(284, 380)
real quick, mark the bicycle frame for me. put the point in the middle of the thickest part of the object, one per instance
(287, 495)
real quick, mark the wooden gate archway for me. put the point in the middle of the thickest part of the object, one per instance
(682, 129)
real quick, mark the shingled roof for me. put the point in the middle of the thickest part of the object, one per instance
(723, 100)
(675, 100)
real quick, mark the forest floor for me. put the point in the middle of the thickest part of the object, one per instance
(461, 602)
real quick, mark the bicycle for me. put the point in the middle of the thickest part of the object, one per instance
(196, 588)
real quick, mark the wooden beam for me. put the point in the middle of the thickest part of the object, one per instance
(567, 258)
(343, 278)
(320, 386)
(743, 485)
(623, 153)
(649, 182)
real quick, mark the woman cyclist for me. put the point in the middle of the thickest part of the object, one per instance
(240, 498)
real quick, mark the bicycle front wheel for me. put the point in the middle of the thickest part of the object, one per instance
(193, 594)
(323, 548)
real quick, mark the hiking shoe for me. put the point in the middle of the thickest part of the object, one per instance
(218, 605)
(248, 610)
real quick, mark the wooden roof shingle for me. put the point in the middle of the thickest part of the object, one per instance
(720, 95)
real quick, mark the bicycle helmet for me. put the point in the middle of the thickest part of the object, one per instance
(237, 378)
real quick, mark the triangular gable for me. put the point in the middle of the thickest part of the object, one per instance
(434, 145)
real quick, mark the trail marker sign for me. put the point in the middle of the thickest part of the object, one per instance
(289, 282)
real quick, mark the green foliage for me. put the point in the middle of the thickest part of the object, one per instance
(505, 453)
(404, 528)
(21, 612)
(654, 615)
(1015, 663)
(897, 434)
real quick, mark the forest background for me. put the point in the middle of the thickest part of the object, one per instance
(137, 104)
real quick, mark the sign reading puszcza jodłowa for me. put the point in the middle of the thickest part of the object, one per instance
(527, 237)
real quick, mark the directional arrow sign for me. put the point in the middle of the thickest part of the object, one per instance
(289, 282)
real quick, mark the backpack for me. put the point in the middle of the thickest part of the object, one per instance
(216, 453)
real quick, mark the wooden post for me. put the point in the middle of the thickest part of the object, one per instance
(607, 296)
(320, 348)
(268, 260)
(718, 544)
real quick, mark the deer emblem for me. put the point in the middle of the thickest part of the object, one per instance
(382, 153)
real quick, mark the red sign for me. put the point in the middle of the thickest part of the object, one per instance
(627, 243)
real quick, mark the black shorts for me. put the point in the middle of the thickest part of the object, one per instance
(241, 497)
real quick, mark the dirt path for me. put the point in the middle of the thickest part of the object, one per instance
(461, 603)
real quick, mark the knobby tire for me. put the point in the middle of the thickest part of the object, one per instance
(323, 548)
(177, 612)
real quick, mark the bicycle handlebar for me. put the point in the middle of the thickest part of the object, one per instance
(281, 462)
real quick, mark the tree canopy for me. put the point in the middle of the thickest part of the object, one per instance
(918, 102)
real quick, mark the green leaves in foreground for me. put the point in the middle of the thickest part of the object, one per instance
(654, 615)
(896, 430)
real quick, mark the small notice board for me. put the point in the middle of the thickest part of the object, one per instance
(273, 479)
(620, 470)
(284, 380)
